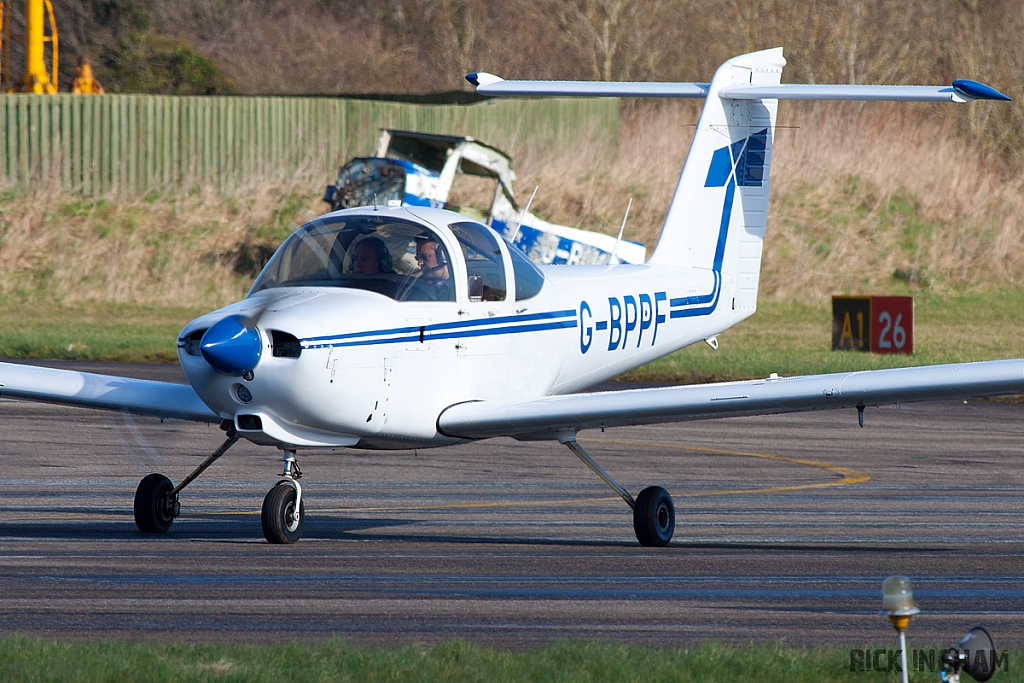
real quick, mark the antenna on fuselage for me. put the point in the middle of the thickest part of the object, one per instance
(611, 257)
(512, 239)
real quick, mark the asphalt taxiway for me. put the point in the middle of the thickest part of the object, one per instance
(786, 527)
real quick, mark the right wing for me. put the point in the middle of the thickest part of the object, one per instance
(89, 390)
(562, 416)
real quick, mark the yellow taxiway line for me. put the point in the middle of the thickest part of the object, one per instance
(847, 476)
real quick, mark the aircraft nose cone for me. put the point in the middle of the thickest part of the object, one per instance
(231, 346)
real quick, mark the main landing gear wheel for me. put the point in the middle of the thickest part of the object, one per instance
(280, 522)
(654, 517)
(155, 507)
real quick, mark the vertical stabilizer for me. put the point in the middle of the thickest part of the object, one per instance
(719, 211)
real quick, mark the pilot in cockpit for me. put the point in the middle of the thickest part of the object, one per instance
(434, 272)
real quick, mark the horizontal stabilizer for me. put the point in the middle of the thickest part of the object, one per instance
(560, 416)
(489, 84)
(89, 390)
(959, 91)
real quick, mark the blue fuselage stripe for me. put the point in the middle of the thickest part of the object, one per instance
(451, 334)
(711, 298)
(428, 329)
(538, 327)
(512, 324)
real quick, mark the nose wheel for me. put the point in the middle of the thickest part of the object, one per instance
(283, 509)
(282, 523)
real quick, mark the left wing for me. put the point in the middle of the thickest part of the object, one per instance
(89, 390)
(563, 416)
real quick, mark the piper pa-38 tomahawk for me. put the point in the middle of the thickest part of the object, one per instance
(342, 339)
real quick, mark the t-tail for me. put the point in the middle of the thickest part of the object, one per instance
(719, 212)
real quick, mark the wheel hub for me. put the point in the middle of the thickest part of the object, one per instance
(291, 519)
(170, 506)
(663, 517)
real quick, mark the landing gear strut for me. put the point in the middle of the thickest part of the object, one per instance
(654, 515)
(283, 509)
(156, 498)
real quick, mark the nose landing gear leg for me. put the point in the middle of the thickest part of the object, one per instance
(283, 509)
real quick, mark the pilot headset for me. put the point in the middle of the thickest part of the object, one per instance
(439, 253)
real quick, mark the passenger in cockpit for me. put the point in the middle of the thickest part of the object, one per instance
(371, 257)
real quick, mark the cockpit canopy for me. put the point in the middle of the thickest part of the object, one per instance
(400, 259)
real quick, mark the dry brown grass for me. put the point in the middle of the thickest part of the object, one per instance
(197, 248)
(862, 197)
(581, 186)
(867, 195)
(865, 199)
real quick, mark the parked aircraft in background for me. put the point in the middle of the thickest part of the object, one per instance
(423, 169)
(409, 327)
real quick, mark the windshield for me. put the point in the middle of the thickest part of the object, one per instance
(399, 259)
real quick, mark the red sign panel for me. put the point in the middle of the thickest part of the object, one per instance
(879, 324)
(892, 324)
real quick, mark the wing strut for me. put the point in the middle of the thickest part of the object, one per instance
(592, 464)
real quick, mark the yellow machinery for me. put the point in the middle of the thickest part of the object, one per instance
(36, 78)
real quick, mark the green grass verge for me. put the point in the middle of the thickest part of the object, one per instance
(130, 334)
(29, 659)
(796, 339)
(787, 338)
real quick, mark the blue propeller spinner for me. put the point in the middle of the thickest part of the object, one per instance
(232, 346)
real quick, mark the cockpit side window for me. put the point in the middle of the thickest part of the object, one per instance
(529, 278)
(484, 264)
(362, 252)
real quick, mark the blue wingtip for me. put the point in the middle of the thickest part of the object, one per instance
(472, 79)
(978, 91)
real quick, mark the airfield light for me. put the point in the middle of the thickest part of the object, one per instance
(898, 605)
(898, 601)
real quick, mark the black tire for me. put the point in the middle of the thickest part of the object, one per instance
(279, 524)
(152, 515)
(654, 517)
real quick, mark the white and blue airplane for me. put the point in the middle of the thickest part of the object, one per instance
(344, 337)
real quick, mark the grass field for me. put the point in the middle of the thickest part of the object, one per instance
(796, 338)
(27, 659)
(90, 331)
(787, 338)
